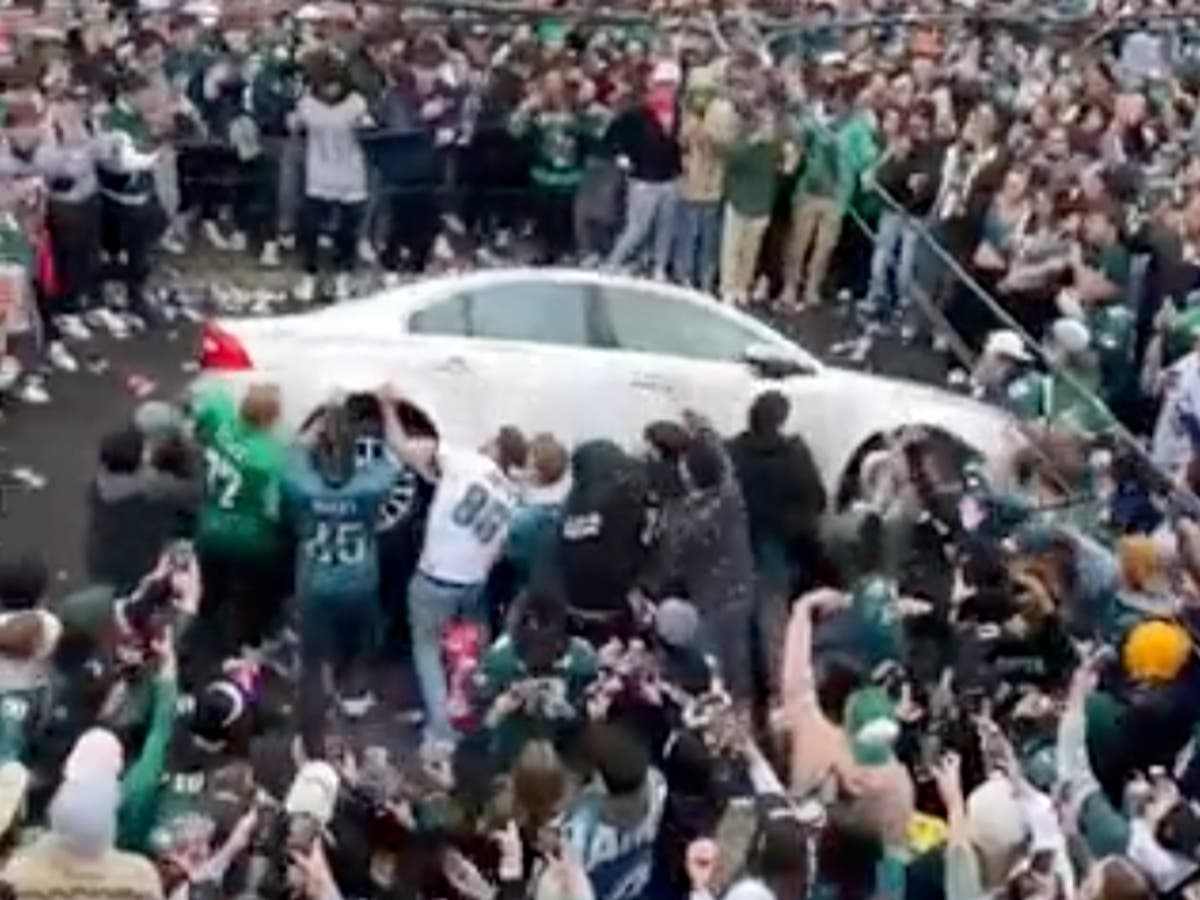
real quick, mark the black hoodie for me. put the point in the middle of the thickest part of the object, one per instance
(605, 536)
(781, 487)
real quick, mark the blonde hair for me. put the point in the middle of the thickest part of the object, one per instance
(261, 406)
(540, 785)
(1141, 561)
(547, 458)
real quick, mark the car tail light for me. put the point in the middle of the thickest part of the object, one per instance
(221, 350)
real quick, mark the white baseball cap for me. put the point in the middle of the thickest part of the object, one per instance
(666, 71)
(1008, 343)
(1070, 334)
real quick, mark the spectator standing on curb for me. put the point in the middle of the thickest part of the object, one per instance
(706, 130)
(335, 174)
(646, 143)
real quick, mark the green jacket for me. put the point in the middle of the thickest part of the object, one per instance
(858, 153)
(138, 812)
(563, 697)
(821, 167)
(751, 173)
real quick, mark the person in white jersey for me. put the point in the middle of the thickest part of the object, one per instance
(465, 532)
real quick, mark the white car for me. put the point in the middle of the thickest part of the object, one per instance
(582, 354)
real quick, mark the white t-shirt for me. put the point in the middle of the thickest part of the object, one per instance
(335, 167)
(468, 518)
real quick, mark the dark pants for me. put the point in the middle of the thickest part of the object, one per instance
(413, 227)
(342, 219)
(338, 635)
(131, 230)
(556, 222)
(241, 606)
(256, 207)
(75, 242)
(491, 178)
(208, 178)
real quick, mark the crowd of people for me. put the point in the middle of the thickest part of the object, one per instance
(358, 662)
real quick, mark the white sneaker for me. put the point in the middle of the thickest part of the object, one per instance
(357, 707)
(72, 326)
(33, 392)
(105, 318)
(437, 759)
(10, 371)
(173, 244)
(341, 286)
(366, 252)
(60, 357)
(391, 279)
(237, 242)
(270, 255)
(287, 241)
(306, 289)
(212, 233)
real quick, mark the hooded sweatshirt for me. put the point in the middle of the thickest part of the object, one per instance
(605, 534)
(782, 490)
(118, 552)
(706, 552)
(76, 857)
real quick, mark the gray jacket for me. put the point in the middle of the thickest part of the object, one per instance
(705, 555)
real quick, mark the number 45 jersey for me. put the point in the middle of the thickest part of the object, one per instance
(468, 519)
(337, 553)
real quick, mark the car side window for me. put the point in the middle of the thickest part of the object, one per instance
(448, 316)
(647, 322)
(539, 311)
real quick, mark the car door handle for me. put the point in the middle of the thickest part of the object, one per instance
(452, 364)
(645, 382)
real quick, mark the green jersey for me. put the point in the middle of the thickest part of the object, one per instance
(243, 470)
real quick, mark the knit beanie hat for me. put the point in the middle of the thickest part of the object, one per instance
(870, 722)
(1156, 651)
(96, 755)
(995, 820)
(676, 622)
(83, 814)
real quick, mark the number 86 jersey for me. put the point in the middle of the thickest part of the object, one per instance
(468, 519)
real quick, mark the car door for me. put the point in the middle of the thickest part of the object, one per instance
(438, 370)
(674, 354)
(520, 347)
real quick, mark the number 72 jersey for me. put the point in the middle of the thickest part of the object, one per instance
(337, 554)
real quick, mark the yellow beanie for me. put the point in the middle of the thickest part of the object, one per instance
(1156, 651)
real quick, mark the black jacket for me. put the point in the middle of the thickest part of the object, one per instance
(654, 155)
(606, 532)
(130, 519)
(781, 486)
(924, 159)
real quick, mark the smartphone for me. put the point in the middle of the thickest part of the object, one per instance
(180, 555)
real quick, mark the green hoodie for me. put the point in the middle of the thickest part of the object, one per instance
(857, 154)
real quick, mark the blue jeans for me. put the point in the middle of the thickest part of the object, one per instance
(697, 243)
(895, 249)
(649, 219)
(432, 605)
